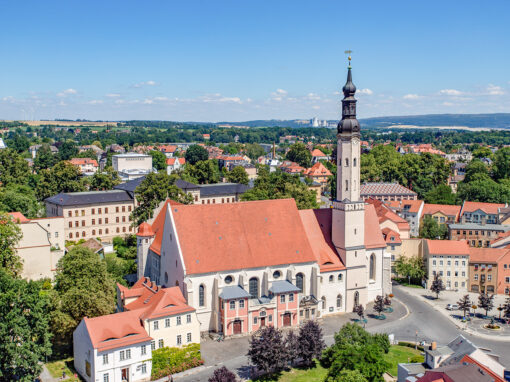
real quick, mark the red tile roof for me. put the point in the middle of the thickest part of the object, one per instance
(373, 234)
(116, 330)
(318, 169)
(385, 189)
(318, 153)
(167, 148)
(145, 230)
(448, 210)
(171, 161)
(448, 247)
(218, 237)
(487, 255)
(84, 161)
(158, 225)
(385, 213)
(317, 225)
(18, 217)
(388, 234)
(488, 208)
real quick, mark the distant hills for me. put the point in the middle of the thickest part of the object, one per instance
(490, 121)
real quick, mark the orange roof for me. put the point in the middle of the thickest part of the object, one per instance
(83, 161)
(166, 302)
(488, 208)
(157, 226)
(500, 236)
(411, 205)
(145, 230)
(318, 169)
(385, 213)
(167, 148)
(487, 255)
(18, 217)
(373, 234)
(230, 157)
(217, 237)
(448, 210)
(317, 225)
(448, 247)
(318, 153)
(391, 236)
(171, 161)
(116, 330)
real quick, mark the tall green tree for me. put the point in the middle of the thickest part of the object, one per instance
(63, 177)
(348, 376)
(10, 235)
(104, 180)
(158, 160)
(24, 329)
(501, 166)
(83, 287)
(202, 172)
(300, 154)
(13, 168)
(154, 189)
(67, 150)
(44, 158)
(413, 268)
(441, 194)
(280, 185)
(476, 170)
(20, 198)
(431, 229)
(237, 175)
(254, 150)
(484, 190)
(464, 304)
(437, 285)
(196, 154)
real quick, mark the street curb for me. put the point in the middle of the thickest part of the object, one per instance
(458, 326)
(408, 312)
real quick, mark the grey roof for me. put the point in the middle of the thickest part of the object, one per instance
(222, 189)
(493, 227)
(283, 286)
(131, 185)
(444, 350)
(89, 197)
(460, 346)
(465, 373)
(183, 185)
(413, 368)
(231, 292)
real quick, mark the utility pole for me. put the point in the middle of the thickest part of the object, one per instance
(416, 342)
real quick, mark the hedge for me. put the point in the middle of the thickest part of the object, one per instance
(167, 361)
(410, 345)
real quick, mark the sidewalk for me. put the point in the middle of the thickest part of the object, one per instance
(474, 327)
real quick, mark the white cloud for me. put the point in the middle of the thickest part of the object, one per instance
(282, 92)
(145, 83)
(447, 104)
(313, 96)
(450, 92)
(160, 99)
(120, 101)
(8, 98)
(365, 91)
(411, 96)
(315, 107)
(95, 102)
(113, 95)
(495, 90)
(67, 92)
(148, 102)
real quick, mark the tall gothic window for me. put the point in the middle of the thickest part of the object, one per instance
(323, 299)
(354, 162)
(346, 185)
(346, 162)
(356, 298)
(372, 267)
(201, 295)
(254, 287)
(339, 301)
(300, 282)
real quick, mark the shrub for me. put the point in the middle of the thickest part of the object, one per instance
(416, 359)
(166, 361)
(223, 375)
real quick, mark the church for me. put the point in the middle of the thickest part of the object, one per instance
(251, 264)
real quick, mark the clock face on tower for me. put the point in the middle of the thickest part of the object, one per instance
(355, 141)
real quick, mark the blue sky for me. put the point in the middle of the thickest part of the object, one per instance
(242, 60)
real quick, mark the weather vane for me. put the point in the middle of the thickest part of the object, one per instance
(349, 56)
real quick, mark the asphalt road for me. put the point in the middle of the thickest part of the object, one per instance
(422, 318)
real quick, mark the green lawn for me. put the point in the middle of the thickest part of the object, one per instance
(396, 355)
(399, 354)
(57, 367)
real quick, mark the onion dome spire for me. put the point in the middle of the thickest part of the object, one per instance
(349, 124)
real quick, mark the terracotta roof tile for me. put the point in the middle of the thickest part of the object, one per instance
(318, 153)
(318, 169)
(449, 210)
(487, 255)
(84, 161)
(18, 217)
(448, 247)
(390, 236)
(373, 235)
(488, 208)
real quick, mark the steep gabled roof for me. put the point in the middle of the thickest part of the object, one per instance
(318, 153)
(318, 169)
(384, 213)
(219, 237)
(390, 236)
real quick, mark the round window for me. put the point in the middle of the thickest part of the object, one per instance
(277, 274)
(228, 279)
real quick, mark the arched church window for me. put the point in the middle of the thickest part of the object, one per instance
(254, 287)
(201, 295)
(372, 267)
(354, 162)
(300, 282)
(331, 278)
(346, 185)
(356, 298)
(323, 302)
(166, 277)
(339, 301)
(346, 162)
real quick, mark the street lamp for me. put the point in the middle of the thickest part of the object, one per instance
(416, 342)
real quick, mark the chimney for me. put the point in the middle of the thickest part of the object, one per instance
(433, 345)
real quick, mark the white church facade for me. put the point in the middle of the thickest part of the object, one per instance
(251, 264)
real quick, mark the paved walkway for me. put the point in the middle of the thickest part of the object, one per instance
(476, 325)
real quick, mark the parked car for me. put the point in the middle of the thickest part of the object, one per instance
(452, 307)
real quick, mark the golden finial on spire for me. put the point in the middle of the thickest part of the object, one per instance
(349, 56)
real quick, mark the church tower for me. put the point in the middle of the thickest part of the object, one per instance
(348, 225)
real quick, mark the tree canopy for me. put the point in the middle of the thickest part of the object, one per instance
(195, 154)
(237, 175)
(13, 168)
(158, 160)
(431, 229)
(10, 235)
(63, 177)
(202, 172)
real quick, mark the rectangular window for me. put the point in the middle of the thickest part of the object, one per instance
(128, 354)
(93, 221)
(117, 209)
(82, 212)
(105, 359)
(106, 377)
(476, 276)
(99, 211)
(69, 214)
(167, 322)
(188, 337)
(153, 345)
(282, 299)
(100, 221)
(83, 223)
(93, 211)
(160, 343)
(178, 320)
(156, 325)
(241, 304)
(489, 277)
(291, 297)
(122, 355)
(440, 262)
(463, 274)
(449, 262)
(144, 368)
(106, 210)
(70, 224)
(456, 263)
(144, 349)
(447, 273)
(105, 220)
(270, 318)
(179, 340)
(433, 262)
(255, 320)
(123, 208)
(188, 318)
